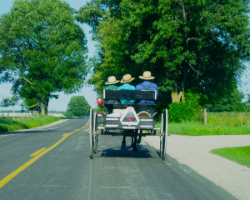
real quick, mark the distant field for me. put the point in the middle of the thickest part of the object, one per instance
(20, 123)
(240, 155)
(226, 123)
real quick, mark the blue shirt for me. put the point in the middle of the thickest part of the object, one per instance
(148, 85)
(127, 86)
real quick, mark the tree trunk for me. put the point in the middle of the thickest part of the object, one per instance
(44, 105)
(177, 97)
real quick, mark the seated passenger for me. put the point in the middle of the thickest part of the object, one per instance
(111, 86)
(147, 85)
(127, 79)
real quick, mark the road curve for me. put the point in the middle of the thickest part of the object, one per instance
(54, 163)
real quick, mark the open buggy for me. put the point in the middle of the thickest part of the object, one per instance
(129, 119)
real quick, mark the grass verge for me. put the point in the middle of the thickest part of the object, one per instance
(20, 123)
(240, 155)
(194, 128)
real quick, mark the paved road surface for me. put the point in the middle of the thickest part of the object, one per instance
(64, 170)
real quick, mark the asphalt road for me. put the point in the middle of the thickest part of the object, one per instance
(64, 170)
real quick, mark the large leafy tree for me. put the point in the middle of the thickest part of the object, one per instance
(6, 102)
(78, 106)
(187, 44)
(231, 102)
(42, 49)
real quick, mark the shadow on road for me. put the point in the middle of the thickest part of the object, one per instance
(127, 152)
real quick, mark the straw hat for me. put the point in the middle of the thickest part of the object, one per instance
(146, 76)
(127, 78)
(111, 80)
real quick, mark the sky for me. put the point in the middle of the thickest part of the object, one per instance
(87, 91)
(61, 103)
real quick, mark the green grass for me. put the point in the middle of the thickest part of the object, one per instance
(228, 118)
(218, 124)
(239, 155)
(20, 123)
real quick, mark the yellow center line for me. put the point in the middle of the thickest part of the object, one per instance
(37, 152)
(27, 164)
(66, 134)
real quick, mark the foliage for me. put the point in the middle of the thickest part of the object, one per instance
(9, 102)
(184, 111)
(248, 98)
(198, 45)
(239, 155)
(77, 106)
(231, 102)
(20, 123)
(42, 49)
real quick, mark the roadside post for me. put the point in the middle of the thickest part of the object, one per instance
(205, 116)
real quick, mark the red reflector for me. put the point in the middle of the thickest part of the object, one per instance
(130, 118)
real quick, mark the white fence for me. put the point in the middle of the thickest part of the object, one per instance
(27, 114)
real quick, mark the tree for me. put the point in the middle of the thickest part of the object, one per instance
(231, 102)
(186, 44)
(248, 98)
(78, 106)
(6, 102)
(42, 49)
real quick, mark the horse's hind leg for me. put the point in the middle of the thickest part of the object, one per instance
(124, 142)
(134, 143)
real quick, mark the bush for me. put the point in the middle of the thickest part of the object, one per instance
(185, 110)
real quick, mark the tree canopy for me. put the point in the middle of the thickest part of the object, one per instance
(78, 106)
(186, 44)
(42, 50)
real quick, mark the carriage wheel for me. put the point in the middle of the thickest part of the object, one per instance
(95, 137)
(165, 130)
(161, 131)
(91, 133)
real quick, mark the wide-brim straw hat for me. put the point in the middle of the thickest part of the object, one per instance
(111, 80)
(146, 76)
(127, 78)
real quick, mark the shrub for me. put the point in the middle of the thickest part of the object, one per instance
(185, 110)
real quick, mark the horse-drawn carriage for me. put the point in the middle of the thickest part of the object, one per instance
(128, 119)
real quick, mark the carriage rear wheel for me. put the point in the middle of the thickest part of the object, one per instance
(164, 130)
(91, 138)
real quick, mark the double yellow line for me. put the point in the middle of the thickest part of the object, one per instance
(37, 155)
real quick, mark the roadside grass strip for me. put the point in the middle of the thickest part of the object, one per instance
(225, 123)
(240, 155)
(20, 123)
(39, 155)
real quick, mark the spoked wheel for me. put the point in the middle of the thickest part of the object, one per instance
(95, 137)
(91, 133)
(164, 130)
(161, 137)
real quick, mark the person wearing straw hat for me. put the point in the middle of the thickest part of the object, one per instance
(126, 79)
(147, 84)
(111, 86)
(111, 83)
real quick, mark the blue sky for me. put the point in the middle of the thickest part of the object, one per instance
(61, 103)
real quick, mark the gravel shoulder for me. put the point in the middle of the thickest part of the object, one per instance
(194, 152)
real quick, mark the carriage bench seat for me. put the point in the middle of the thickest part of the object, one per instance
(130, 94)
